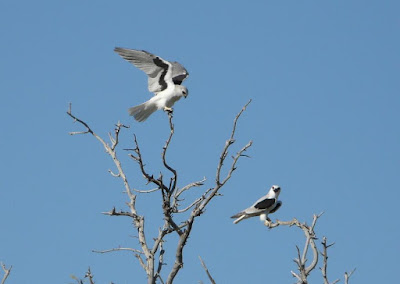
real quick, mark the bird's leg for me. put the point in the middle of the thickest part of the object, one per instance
(168, 109)
(267, 222)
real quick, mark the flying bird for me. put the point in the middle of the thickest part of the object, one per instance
(164, 80)
(262, 207)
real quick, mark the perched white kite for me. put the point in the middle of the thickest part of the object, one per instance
(165, 79)
(262, 207)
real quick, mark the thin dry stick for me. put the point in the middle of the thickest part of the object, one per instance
(118, 249)
(206, 269)
(6, 272)
(348, 275)
(160, 262)
(90, 276)
(324, 267)
(174, 179)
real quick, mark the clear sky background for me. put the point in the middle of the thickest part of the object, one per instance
(324, 80)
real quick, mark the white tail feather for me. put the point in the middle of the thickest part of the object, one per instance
(143, 111)
(239, 219)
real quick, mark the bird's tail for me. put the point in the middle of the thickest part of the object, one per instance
(143, 111)
(240, 216)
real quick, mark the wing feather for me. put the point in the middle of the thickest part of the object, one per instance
(276, 207)
(157, 69)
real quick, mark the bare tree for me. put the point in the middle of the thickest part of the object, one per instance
(150, 251)
(303, 268)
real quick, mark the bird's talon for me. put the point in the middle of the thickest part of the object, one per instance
(267, 222)
(168, 109)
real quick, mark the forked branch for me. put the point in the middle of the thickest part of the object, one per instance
(304, 271)
(7, 272)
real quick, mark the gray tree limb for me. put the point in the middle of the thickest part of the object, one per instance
(324, 267)
(7, 272)
(207, 271)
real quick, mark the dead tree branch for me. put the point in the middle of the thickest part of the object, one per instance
(324, 267)
(207, 271)
(7, 272)
(348, 275)
(118, 249)
(301, 260)
(89, 275)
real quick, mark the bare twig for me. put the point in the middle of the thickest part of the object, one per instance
(160, 262)
(113, 212)
(194, 203)
(146, 191)
(324, 267)
(7, 272)
(228, 143)
(189, 186)
(174, 179)
(207, 271)
(141, 262)
(118, 249)
(348, 275)
(90, 276)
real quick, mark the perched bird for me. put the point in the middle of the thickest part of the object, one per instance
(165, 79)
(262, 207)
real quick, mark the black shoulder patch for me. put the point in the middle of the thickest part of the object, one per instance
(164, 66)
(265, 204)
(179, 79)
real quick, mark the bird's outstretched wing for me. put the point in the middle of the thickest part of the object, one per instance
(157, 69)
(160, 72)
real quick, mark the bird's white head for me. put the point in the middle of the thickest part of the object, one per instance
(182, 90)
(275, 191)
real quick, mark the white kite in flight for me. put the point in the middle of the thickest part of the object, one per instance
(165, 79)
(262, 207)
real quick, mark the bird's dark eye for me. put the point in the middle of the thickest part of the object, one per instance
(183, 92)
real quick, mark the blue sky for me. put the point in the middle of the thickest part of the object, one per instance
(324, 120)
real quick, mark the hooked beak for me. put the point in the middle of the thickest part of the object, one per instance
(185, 93)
